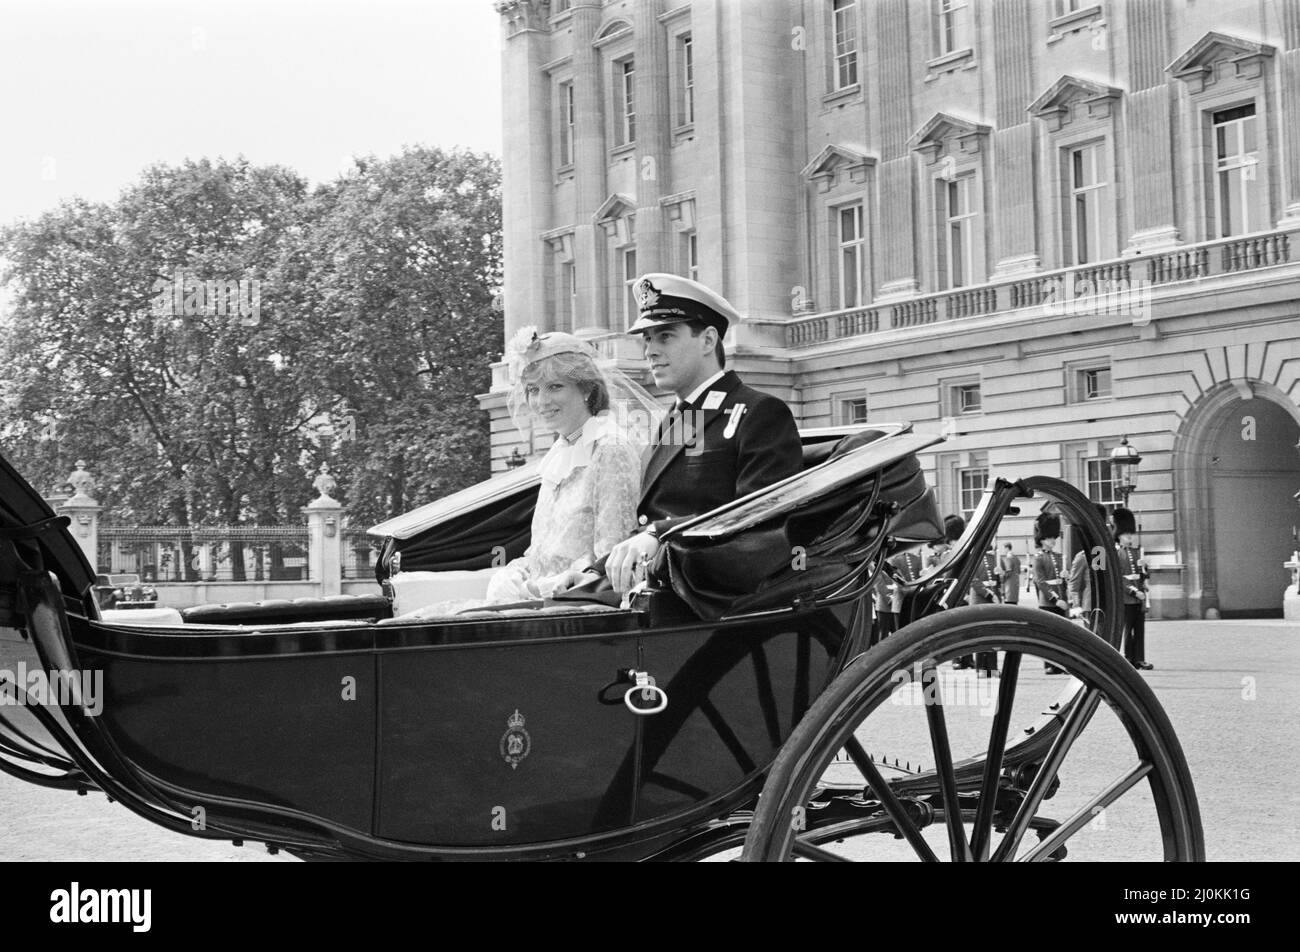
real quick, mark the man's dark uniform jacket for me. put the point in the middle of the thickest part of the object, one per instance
(746, 442)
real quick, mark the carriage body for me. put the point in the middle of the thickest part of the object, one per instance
(335, 729)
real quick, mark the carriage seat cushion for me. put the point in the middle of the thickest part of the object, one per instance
(290, 610)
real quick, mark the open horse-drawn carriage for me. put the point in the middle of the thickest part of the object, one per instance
(736, 699)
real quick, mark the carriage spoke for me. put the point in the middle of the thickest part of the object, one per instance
(1079, 716)
(766, 695)
(961, 851)
(889, 800)
(983, 827)
(808, 851)
(1086, 813)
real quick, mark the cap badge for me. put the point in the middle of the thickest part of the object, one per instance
(646, 294)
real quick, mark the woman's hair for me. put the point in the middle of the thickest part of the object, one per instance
(579, 370)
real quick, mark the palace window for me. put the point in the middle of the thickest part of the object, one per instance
(970, 487)
(628, 275)
(852, 255)
(686, 74)
(1236, 158)
(690, 256)
(845, 28)
(1086, 209)
(566, 113)
(625, 102)
(957, 221)
(566, 298)
(952, 26)
(853, 411)
(1100, 482)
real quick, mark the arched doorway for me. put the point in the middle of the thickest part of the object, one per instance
(1236, 472)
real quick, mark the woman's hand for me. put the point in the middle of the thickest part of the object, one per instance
(571, 579)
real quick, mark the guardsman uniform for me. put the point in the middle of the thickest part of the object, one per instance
(1134, 575)
(1009, 567)
(1049, 570)
(882, 608)
(908, 567)
(984, 590)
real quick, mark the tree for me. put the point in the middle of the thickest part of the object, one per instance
(212, 336)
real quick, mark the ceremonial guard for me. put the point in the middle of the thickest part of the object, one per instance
(1080, 579)
(1048, 571)
(985, 589)
(908, 567)
(883, 607)
(1009, 573)
(1133, 566)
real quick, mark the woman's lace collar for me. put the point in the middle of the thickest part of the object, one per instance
(564, 457)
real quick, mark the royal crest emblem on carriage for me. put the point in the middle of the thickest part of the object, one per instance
(515, 742)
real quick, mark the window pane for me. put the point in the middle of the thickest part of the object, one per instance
(1247, 134)
(958, 255)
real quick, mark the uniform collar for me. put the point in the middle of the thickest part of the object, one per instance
(699, 391)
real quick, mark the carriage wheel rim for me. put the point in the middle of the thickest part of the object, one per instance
(831, 723)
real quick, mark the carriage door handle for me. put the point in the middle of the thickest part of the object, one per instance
(650, 692)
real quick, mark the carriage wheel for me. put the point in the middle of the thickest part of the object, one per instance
(803, 813)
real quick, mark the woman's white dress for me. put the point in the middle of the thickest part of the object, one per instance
(586, 505)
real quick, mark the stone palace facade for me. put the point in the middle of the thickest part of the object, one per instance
(1036, 227)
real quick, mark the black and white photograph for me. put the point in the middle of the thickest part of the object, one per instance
(651, 430)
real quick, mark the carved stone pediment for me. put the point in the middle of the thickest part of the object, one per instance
(944, 131)
(1218, 56)
(835, 161)
(1073, 97)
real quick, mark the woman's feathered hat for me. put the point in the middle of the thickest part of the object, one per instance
(527, 347)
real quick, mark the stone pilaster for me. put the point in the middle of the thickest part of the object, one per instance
(1012, 61)
(1288, 126)
(895, 77)
(653, 125)
(1148, 43)
(895, 254)
(1151, 170)
(589, 163)
(1013, 232)
(526, 157)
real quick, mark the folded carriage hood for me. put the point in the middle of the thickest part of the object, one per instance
(21, 505)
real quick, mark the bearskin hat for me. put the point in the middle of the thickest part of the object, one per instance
(1124, 521)
(953, 527)
(1047, 526)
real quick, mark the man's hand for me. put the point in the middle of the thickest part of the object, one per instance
(626, 558)
(1062, 604)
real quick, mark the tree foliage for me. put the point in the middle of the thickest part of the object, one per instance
(362, 331)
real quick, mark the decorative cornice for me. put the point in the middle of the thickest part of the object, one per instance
(523, 15)
(1198, 64)
(1055, 104)
(828, 163)
(929, 139)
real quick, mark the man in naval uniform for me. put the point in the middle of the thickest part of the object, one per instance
(722, 440)
(1048, 571)
(1133, 571)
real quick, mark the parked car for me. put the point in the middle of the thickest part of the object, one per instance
(130, 592)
